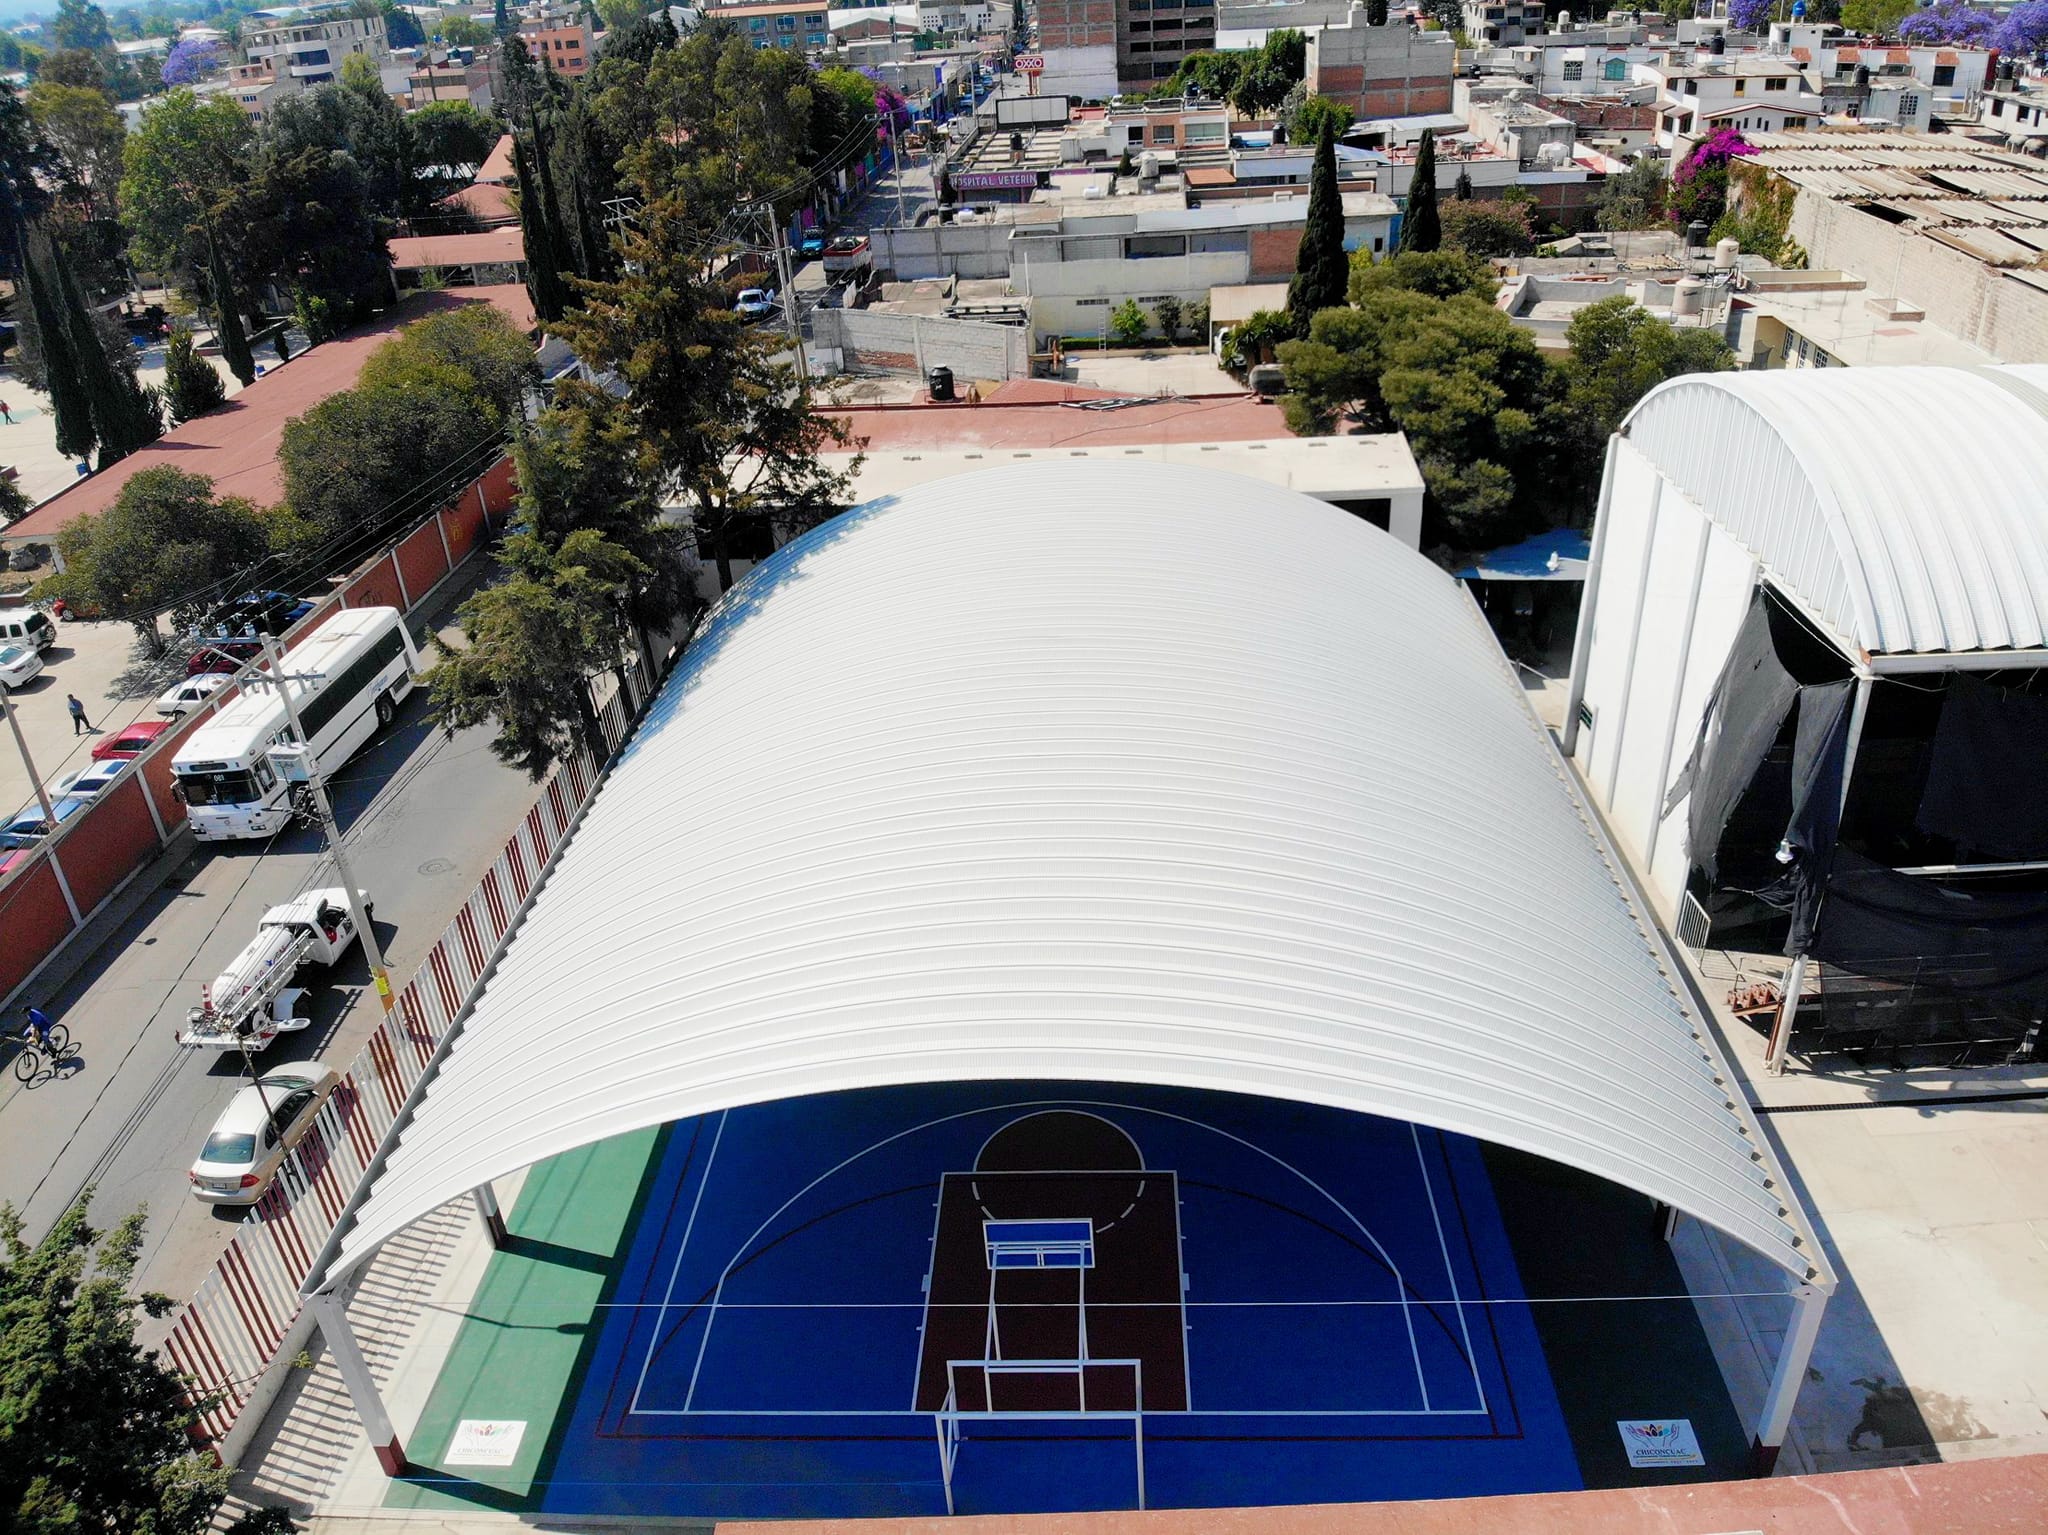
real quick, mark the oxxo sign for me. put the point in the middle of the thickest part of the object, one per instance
(1030, 64)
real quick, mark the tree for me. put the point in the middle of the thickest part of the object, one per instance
(1951, 22)
(14, 505)
(401, 30)
(453, 134)
(81, 25)
(1321, 269)
(473, 353)
(1375, 13)
(501, 19)
(534, 642)
(85, 129)
(361, 459)
(327, 244)
(1699, 186)
(1488, 229)
(1197, 319)
(75, 66)
(70, 405)
(1168, 313)
(619, 14)
(190, 61)
(1875, 18)
(1259, 333)
(1620, 352)
(460, 31)
(1438, 274)
(1421, 227)
(234, 341)
(356, 117)
(1127, 323)
(545, 261)
(1315, 113)
(93, 1430)
(1633, 199)
(165, 538)
(1750, 15)
(185, 156)
(191, 386)
(1449, 15)
(2024, 31)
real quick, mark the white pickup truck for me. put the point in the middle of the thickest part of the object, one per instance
(253, 999)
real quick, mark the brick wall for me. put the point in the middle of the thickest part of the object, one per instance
(1274, 253)
(1388, 71)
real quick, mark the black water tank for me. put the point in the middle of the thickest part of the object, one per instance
(940, 382)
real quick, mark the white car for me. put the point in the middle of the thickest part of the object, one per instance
(88, 782)
(191, 693)
(19, 665)
(257, 1130)
(754, 303)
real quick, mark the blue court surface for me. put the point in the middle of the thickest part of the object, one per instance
(1044, 1293)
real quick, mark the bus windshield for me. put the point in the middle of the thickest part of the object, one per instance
(232, 788)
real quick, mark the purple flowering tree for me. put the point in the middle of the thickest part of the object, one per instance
(1750, 15)
(1699, 186)
(1949, 21)
(2024, 30)
(188, 62)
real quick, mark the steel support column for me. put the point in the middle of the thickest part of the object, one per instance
(494, 1219)
(1794, 1355)
(332, 1313)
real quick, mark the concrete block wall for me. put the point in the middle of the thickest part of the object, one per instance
(901, 343)
(1980, 303)
(943, 250)
(1390, 71)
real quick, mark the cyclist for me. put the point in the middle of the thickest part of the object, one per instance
(38, 1030)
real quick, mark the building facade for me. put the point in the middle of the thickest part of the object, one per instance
(305, 46)
(800, 24)
(1390, 71)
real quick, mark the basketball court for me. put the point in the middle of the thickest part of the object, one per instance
(1040, 1297)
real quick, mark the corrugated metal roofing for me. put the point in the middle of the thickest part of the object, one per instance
(1906, 507)
(1094, 772)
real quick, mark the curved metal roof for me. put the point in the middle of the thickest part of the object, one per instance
(1092, 772)
(1902, 506)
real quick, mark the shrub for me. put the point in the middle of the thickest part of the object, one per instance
(191, 386)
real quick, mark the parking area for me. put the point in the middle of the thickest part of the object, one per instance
(103, 664)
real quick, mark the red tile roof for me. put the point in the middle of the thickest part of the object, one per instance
(1039, 413)
(497, 164)
(412, 252)
(487, 200)
(1803, 55)
(1946, 56)
(236, 446)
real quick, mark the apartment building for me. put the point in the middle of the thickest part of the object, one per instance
(1502, 23)
(304, 45)
(803, 24)
(1952, 75)
(1153, 36)
(562, 38)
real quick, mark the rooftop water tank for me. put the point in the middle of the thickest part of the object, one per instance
(1688, 298)
(1725, 252)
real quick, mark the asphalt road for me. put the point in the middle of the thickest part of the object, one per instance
(423, 817)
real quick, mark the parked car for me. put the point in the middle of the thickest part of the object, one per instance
(19, 666)
(257, 1131)
(89, 781)
(190, 693)
(223, 656)
(846, 253)
(754, 303)
(131, 740)
(811, 247)
(28, 627)
(31, 824)
(254, 613)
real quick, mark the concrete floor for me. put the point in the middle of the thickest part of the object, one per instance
(104, 665)
(1154, 373)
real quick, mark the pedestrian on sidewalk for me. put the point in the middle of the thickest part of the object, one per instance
(6, 415)
(79, 723)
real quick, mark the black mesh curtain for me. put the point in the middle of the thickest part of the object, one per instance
(1984, 777)
(1900, 927)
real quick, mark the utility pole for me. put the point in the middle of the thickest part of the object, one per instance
(325, 813)
(896, 166)
(785, 273)
(20, 740)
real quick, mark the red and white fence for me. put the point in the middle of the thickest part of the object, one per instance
(233, 1334)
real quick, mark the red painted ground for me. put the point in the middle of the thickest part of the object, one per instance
(1978, 1497)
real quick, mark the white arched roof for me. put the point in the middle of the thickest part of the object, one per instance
(1907, 508)
(1092, 772)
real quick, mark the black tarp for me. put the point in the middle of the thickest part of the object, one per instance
(1984, 778)
(1901, 927)
(1819, 751)
(1744, 715)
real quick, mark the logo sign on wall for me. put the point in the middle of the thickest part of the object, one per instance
(995, 181)
(1030, 64)
(1660, 1442)
(485, 1442)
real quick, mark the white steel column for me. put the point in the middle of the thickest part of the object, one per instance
(1664, 752)
(1589, 599)
(494, 1219)
(1794, 1354)
(332, 1313)
(1618, 729)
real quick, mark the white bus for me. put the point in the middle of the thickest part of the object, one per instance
(349, 677)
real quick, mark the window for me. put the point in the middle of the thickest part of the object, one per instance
(1163, 133)
(1820, 358)
(1137, 26)
(1909, 106)
(1574, 69)
(1844, 70)
(1377, 510)
(312, 56)
(1944, 74)
(1147, 247)
(1741, 86)
(1775, 83)
(1205, 133)
(343, 692)
(1802, 349)
(1141, 47)
(785, 23)
(1614, 69)
(756, 24)
(1795, 122)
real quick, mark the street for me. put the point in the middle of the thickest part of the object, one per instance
(423, 815)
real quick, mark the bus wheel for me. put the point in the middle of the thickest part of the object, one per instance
(386, 712)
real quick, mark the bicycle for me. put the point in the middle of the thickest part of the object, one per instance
(54, 1047)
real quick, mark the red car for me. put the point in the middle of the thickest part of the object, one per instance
(132, 740)
(223, 656)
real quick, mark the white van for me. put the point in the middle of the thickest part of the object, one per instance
(27, 626)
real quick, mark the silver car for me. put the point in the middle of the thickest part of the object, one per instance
(257, 1130)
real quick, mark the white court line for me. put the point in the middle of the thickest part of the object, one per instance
(1450, 1274)
(661, 1316)
(1164, 1412)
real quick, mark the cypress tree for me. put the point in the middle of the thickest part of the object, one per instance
(536, 228)
(70, 406)
(501, 19)
(125, 415)
(1322, 272)
(1421, 228)
(234, 341)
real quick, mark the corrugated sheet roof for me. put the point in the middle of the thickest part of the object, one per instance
(1245, 799)
(1906, 507)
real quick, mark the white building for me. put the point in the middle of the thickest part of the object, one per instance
(1952, 75)
(304, 46)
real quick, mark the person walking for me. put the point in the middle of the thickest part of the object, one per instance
(6, 414)
(79, 723)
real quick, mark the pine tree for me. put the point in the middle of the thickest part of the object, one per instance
(234, 341)
(1421, 228)
(125, 414)
(537, 229)
(70, 406)
(1322, 271)
(191, 387)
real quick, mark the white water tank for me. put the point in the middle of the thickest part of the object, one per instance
(1688, 298)
(1725, 252)
(1148, 166)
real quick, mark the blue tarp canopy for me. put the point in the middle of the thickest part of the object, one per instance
(1559, 555)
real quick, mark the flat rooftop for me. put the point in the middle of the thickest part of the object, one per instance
(1029, 414)
(1843, 323)
(236, 446)
(412, 253)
